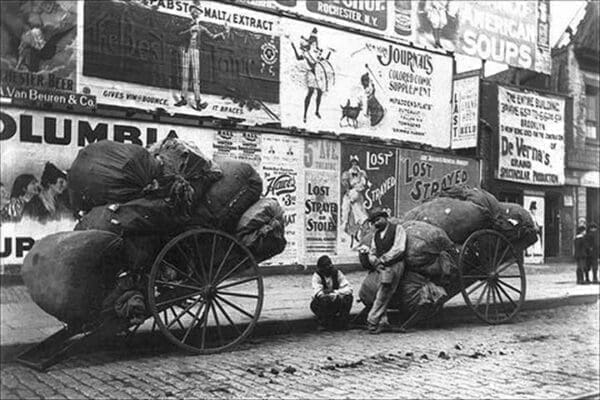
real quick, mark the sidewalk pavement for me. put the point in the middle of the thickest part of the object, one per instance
(286, 304)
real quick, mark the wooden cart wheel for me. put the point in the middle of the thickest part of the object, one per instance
(205, 291)
(492, 277)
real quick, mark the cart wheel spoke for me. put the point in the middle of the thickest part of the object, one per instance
(481, 295)
(193, 323)
(199, 256)
(233, 270)
(204, 325)
(240, 282)
(509, 286)
(186, 310)
(250, 296)
(216, 277)
(177, 299)
(212, 258)
(232, 305)
(177, 319)
(477, 286)
(189, 262)
(487, 300)
(217, 323)
(179, 285)
(476, 276)
(501, 289)
(501, 301)
(228, 317)
(170, 265)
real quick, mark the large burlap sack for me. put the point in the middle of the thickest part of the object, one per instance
(262, 229)
(110, 172)
(417, 293)
(479, 196)
(228, 198)
(458, 218)
(424, 243)
(517, 225)
(182, 158)
(68, 274)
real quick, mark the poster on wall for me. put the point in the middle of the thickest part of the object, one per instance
(501, 31)
(346, 83)
(531, 144)
(214, 59)
(465, 111)
(36, 148)
(38, 56)
(422, 175)
(283, 180)
(237, 145)
(385, 18)
(368, 179)
(321, 198)
(534, 254)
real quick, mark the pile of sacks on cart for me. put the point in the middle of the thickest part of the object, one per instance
(131, 201)
(436, 231)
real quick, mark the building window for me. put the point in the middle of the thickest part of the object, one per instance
(592, 106)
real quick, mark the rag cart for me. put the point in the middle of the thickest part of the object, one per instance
(204, 292)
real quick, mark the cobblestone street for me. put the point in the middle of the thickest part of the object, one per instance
(544, 354)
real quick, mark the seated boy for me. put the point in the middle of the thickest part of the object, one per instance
(332, 295)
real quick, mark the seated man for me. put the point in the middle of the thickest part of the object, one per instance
(332, 295)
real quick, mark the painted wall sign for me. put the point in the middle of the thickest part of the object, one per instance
(531, 138)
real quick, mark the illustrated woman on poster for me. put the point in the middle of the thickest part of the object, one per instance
(190, 55)
(374, 109)
(319, 74)
(354, 212)
(538, 247)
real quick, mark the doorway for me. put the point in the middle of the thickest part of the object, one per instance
(552, 225)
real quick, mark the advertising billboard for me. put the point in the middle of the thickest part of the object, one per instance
(465, 111)
(422, 175)
(368, 179)
(501, 31)
(531, 129)
(346, 83)
(212, 60)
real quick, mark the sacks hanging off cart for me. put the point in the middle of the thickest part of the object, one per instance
(261, 229)
(228, 198)
(415, 293)
(110, 172)
(181, 158)
(68, 274)
(424, 243)
(457, 218)
(517, 225)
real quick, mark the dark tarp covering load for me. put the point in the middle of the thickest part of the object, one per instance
(69, 274)
(261, 229)
(229, 197)
(111, 172)
(457, 218)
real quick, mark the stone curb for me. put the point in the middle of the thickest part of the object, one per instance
(450, 315)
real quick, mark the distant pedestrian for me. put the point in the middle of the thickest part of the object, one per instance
(593, 253)
(332, 295)
(581, 254)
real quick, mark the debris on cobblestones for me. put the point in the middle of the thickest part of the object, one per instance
(274, 371)
(289, 369)
(409, 354)
(458, 346)
(476, 355)
(443, 355)
(424, 357)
